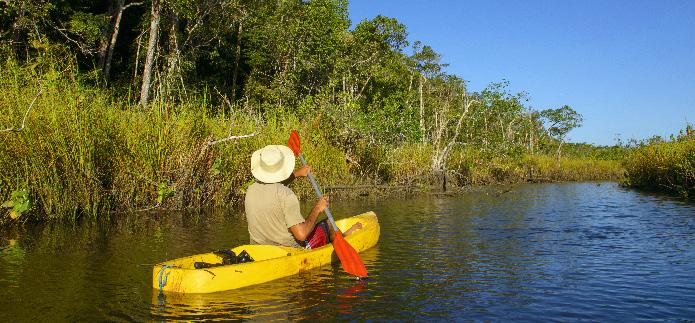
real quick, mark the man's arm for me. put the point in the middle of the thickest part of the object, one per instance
(301, 172)
(301, 231)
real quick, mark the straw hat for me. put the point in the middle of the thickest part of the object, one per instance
(272, 164)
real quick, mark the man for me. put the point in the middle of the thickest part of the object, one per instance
(272, 209)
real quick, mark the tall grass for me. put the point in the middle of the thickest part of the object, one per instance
(547, 168)
(664, 166)
(409, 164)
(83, 154)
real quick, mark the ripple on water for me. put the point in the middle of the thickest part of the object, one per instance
(552, 252)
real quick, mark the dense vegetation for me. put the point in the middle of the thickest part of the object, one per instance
(659, 165)
(129, 105)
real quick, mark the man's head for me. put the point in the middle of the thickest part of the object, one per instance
(272, 164)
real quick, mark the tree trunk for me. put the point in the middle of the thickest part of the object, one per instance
(106, 67)
(151, 48)
(104, 41)
(422, 110)
(235, 75)
(173, 59)
(106, 64)
(410, 83)
(137, 56)
(441, 154)
(530, 133)
(559, 147)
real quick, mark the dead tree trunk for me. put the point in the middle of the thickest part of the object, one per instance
(422, 110)
(120, 8)
(151, 48)
(173, 59)
(104, 40)
(559, 151)
(235, 74)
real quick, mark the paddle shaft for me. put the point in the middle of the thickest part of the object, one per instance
(317, 189)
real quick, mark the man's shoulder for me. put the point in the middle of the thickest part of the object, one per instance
(267, 188)
(284, 190)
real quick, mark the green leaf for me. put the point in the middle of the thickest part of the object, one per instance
(217, 166)
(19, 202)
(163, 192)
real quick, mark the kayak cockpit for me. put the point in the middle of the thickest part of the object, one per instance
(218, 258)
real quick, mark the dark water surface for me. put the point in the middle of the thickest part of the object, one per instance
(546, 252)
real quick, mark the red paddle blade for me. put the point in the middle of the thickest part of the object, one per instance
(352, 264)
(293, 143)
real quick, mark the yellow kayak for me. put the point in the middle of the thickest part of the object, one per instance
(270, 262)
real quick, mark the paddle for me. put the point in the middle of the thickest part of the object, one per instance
(351, 261)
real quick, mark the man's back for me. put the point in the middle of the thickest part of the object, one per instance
(271, 209)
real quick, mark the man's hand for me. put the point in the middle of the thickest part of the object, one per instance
(302, 171)
(354, 227)
(321, 204)
(302, 230)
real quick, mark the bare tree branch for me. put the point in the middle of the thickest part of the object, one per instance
(84, 49)
(131, 4)
(226, 101)
(230, 138)
(26, 114)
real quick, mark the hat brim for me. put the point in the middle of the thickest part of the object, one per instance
(276, 176)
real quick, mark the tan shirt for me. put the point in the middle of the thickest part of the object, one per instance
(271, 209)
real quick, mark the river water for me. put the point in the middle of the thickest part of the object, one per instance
(537, 252)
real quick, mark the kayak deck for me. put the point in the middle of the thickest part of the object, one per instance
(270, 262)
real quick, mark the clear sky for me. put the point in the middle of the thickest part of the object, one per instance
(627, 66)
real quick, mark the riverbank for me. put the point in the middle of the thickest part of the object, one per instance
(73, 151)
(664, 166)
(496, 178)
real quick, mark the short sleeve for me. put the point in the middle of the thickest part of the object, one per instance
(290, 209)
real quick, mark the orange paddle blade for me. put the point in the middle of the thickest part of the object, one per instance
(293, 143)
(352, 264)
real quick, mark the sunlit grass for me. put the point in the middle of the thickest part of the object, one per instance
(83, 154)
(664, 166)
(543, 168)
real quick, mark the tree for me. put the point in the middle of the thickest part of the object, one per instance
(204, 44)
(369, 51)
(427, 63)
(292, 47)
(503, 118)
(449, 117)
(106, 52)
(151, 48)
(560, 122)
(367, 87)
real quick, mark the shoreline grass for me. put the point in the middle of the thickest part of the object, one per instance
(664, 166)
(84, 155)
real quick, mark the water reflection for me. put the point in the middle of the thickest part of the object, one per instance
(13, 255)
(273, 301)
(564, 252)
(292, 298)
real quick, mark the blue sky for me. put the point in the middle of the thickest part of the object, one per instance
(627, 66)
